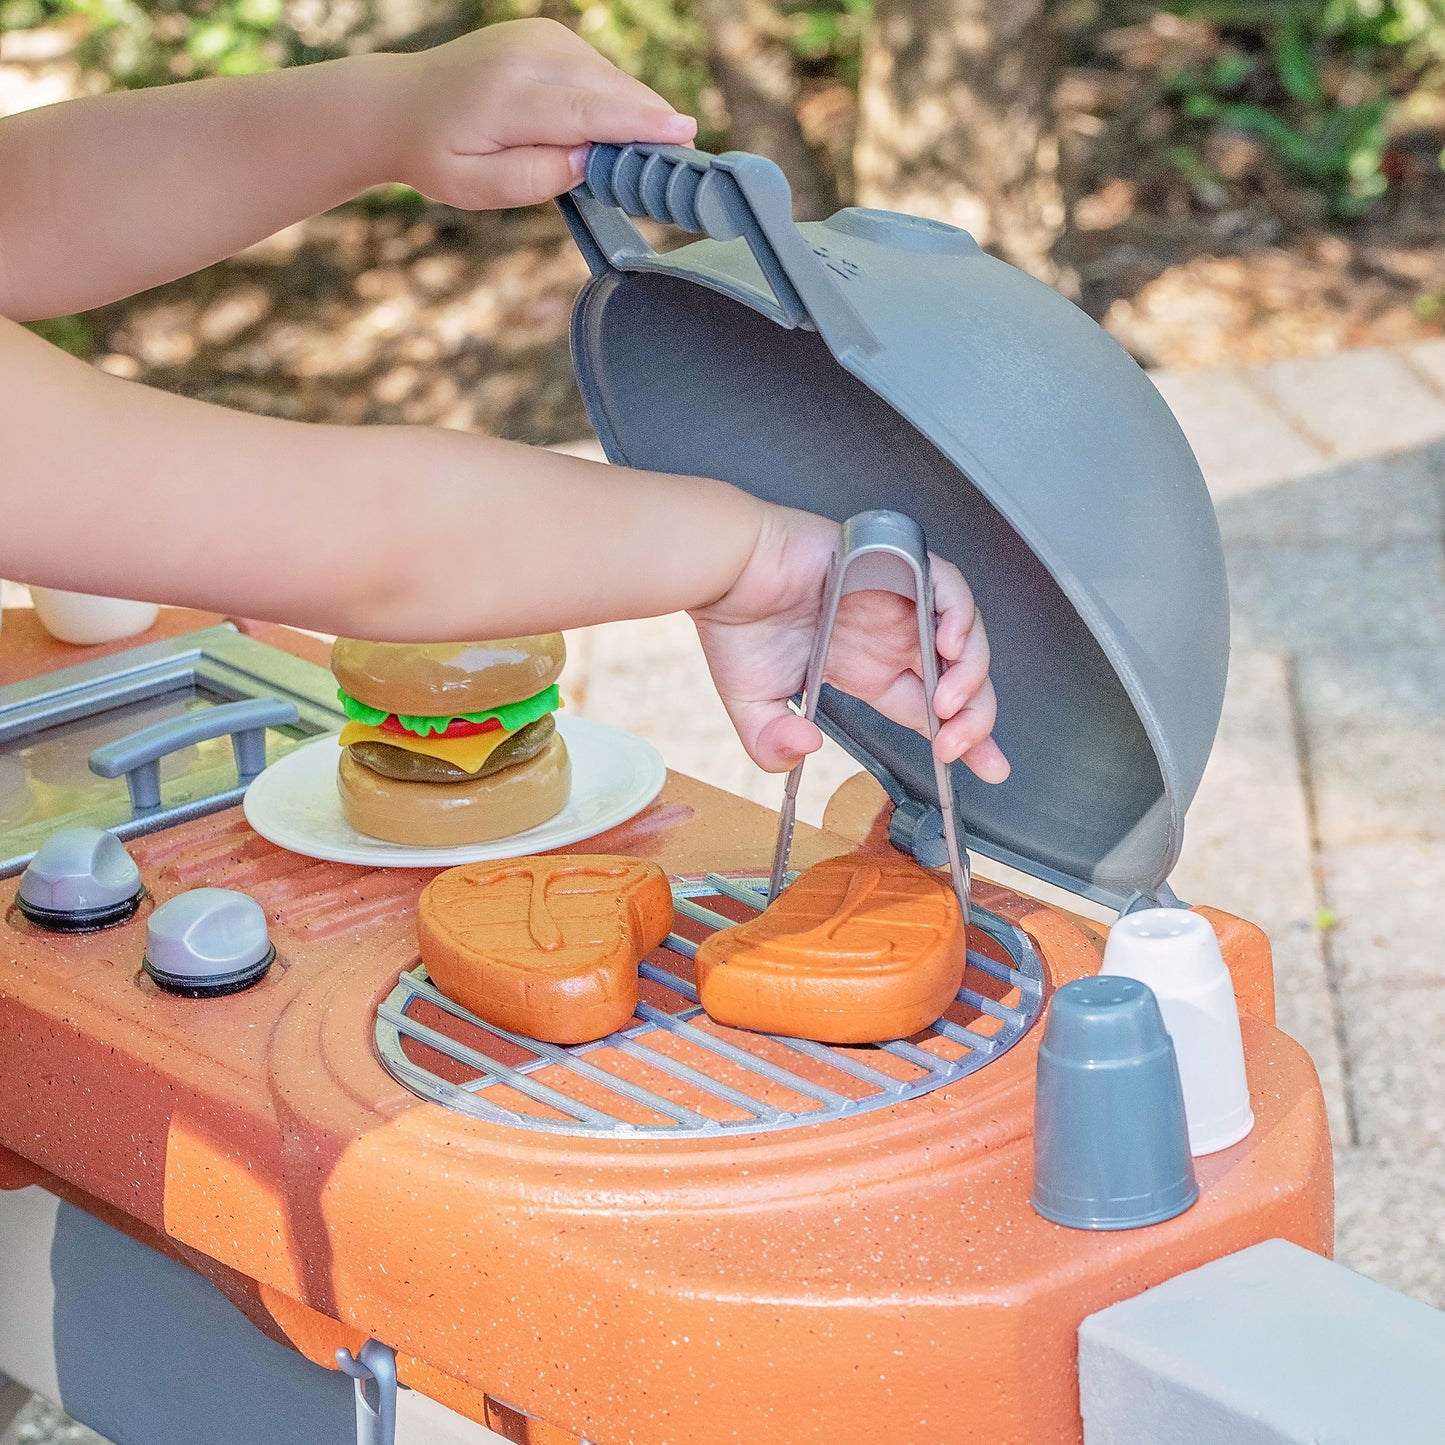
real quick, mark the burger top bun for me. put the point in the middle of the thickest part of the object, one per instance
(445, 679)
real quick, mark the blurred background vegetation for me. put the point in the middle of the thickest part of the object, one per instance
(1214, 179)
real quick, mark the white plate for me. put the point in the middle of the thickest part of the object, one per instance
(294, 803)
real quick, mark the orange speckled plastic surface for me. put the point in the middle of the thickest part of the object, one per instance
(860, 949)
(881, 1277)
(545, 947)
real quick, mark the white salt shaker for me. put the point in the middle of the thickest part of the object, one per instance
(81, 618)
(1176, 953)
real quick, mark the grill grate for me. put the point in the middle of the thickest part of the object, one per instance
(673, 1072)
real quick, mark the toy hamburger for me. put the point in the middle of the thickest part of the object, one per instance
(450, 742)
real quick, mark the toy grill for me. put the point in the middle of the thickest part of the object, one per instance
(681, 1232)
(676, 1074)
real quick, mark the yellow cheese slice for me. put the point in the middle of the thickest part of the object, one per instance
(466, 753)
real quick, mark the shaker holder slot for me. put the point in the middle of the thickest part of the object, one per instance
(139, 756)
(727, 198)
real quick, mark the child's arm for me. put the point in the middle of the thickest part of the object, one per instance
(391, 532)
(411, 533)
(107, 196)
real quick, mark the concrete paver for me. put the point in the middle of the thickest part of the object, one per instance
(1356, 404)
(1364, 504)
(1247, 849)
(1338, 600)
(1377, 750)
(1337, 571)
(1397, 1066)
(1390, 1219)
(1427, 360)
(1242, 439)
(1385, 898)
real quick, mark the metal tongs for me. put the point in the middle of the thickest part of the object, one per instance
(886, 552)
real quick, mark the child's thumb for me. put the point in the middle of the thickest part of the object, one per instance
(775, 736)
(521, 176)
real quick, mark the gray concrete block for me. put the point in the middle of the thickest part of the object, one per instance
(1357, 403)
(1270, 1346)
(1390, 1219)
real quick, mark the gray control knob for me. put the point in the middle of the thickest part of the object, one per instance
(81, 879)
(208, 942)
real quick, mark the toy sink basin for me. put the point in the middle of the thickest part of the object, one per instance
(879, 360)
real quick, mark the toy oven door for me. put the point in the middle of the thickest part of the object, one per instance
(50, 725)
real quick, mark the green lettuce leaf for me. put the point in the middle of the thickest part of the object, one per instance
(512, 715)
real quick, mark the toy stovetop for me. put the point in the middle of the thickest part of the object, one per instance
(879, 1275)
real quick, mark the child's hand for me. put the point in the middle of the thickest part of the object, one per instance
(759, 636)
(502, 117)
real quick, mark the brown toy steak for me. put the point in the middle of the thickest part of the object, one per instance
(545, 946)
(860, 949)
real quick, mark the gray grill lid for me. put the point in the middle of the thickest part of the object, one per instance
(875, 360)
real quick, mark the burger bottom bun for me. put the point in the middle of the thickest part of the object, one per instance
(425, 815)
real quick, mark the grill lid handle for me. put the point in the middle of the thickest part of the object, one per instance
(139, 756)
(727, 197)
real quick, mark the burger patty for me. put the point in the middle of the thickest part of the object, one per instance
(409, 767)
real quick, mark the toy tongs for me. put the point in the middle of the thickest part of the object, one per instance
(885, 552)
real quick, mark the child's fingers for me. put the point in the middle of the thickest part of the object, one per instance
(953, 607)
(903, 701)
(963, 678)
(570, 115)
(986, 759)
(963, 737)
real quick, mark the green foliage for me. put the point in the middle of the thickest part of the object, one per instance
(146, 42)
(829, 37)
(69, 333)
(1318, 81)
(660, 41)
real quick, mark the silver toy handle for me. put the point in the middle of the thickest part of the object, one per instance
(886, 552)
(373, 1369)
(139, 756)
(736, 196)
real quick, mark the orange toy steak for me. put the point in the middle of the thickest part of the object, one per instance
(860, 949)
(547, 946)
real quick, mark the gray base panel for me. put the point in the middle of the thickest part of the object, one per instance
(148, 1353)
(1270, 1346)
